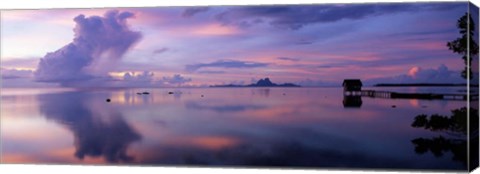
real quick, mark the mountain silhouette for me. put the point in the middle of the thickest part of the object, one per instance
(260, 83)
(265, 82)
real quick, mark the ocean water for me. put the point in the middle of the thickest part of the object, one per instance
(233, 127)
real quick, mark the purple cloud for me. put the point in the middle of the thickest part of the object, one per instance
(190, 12)
(128, 80)
(211, 72)
(176, 80)
(160, 51)
(145, 79)
(420, 75)
(145, 76)
(15, 74)
(99, 42)
(15, 78)
(226, 64)
(23, 62)
(289, 59)
(298, 16)
(310, 82)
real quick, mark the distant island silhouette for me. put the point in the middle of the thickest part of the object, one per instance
(421, 84)
(261, 83)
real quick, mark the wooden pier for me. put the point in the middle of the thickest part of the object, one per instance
(353, 88)
(397, 95)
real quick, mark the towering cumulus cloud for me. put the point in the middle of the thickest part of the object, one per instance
(99, 42)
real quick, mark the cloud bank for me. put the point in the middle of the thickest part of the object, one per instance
(99, 42)
(226, 64)
(295, 17)
(416, 74)
(15, 73)
(421, 75)
(18, 78)
(145, 79)
(176, 80)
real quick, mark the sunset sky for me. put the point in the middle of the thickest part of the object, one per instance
(311, 45)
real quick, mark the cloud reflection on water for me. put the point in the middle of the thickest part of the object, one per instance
(108, 137)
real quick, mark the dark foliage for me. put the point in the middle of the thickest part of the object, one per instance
(465, 45)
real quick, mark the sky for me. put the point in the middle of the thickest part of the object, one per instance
(310, 45)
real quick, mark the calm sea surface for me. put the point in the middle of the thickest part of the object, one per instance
(284, 127)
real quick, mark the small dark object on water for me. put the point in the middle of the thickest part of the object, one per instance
(170, 92)
(146, 93)
(201, 95)
(283, 93)
(394, 106)
(424, 106)
(139, 93)
(108, 100)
